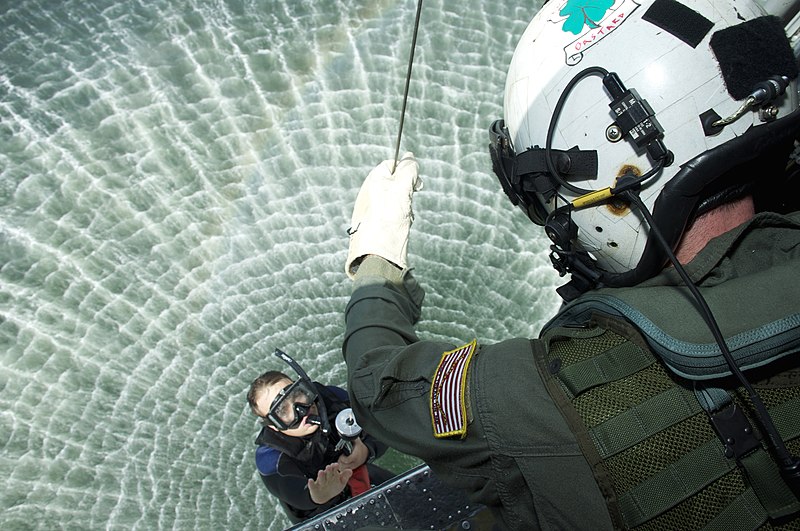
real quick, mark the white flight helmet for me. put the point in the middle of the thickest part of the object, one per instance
(662, 97)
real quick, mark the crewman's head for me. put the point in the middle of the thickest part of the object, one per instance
(668, 99)
(284, 405)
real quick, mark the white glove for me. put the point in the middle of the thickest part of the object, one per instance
(382, 213)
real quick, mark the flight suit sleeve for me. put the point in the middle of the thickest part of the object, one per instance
(517, 449)
(384, 367)
(390, 372)
(375, 447)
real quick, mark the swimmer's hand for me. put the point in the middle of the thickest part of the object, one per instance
(330, 482)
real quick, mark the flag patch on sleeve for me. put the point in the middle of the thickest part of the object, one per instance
(448, 392)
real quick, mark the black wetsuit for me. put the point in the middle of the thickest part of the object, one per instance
(286, 463)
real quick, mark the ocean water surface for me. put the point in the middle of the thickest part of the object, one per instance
(176, 181)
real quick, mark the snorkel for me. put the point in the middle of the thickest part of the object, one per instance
(321, 419)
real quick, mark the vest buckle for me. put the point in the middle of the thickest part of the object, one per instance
(735, 431)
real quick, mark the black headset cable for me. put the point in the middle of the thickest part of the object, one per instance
(790, 465)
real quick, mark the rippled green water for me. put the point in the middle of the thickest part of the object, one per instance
(176, 179)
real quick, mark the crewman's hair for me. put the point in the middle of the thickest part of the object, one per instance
(265, 380)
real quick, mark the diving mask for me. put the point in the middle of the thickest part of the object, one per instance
(292, 404)
(296, 401)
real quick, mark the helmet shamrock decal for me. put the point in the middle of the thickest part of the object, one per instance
(582, 13)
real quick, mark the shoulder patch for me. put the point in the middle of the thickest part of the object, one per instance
(448, 392)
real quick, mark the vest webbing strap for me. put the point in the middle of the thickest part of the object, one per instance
(763, 473)
(613, 364)
(644, 420)
(681, 479)
(765, 478)
(786, 419)
(745, 513)
(705, 464)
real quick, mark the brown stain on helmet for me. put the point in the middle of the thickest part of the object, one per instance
(615, 205)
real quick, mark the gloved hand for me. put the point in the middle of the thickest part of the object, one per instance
(382, 213)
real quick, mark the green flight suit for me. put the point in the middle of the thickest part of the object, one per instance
(519, 456)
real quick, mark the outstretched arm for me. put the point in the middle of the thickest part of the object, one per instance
(387, 364)
(391, 371)
(330, 482)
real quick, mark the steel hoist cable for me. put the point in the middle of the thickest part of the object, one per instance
(408, 82)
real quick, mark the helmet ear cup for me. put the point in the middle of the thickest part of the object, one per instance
(561, 229)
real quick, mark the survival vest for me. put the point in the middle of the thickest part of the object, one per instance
(672, 439)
